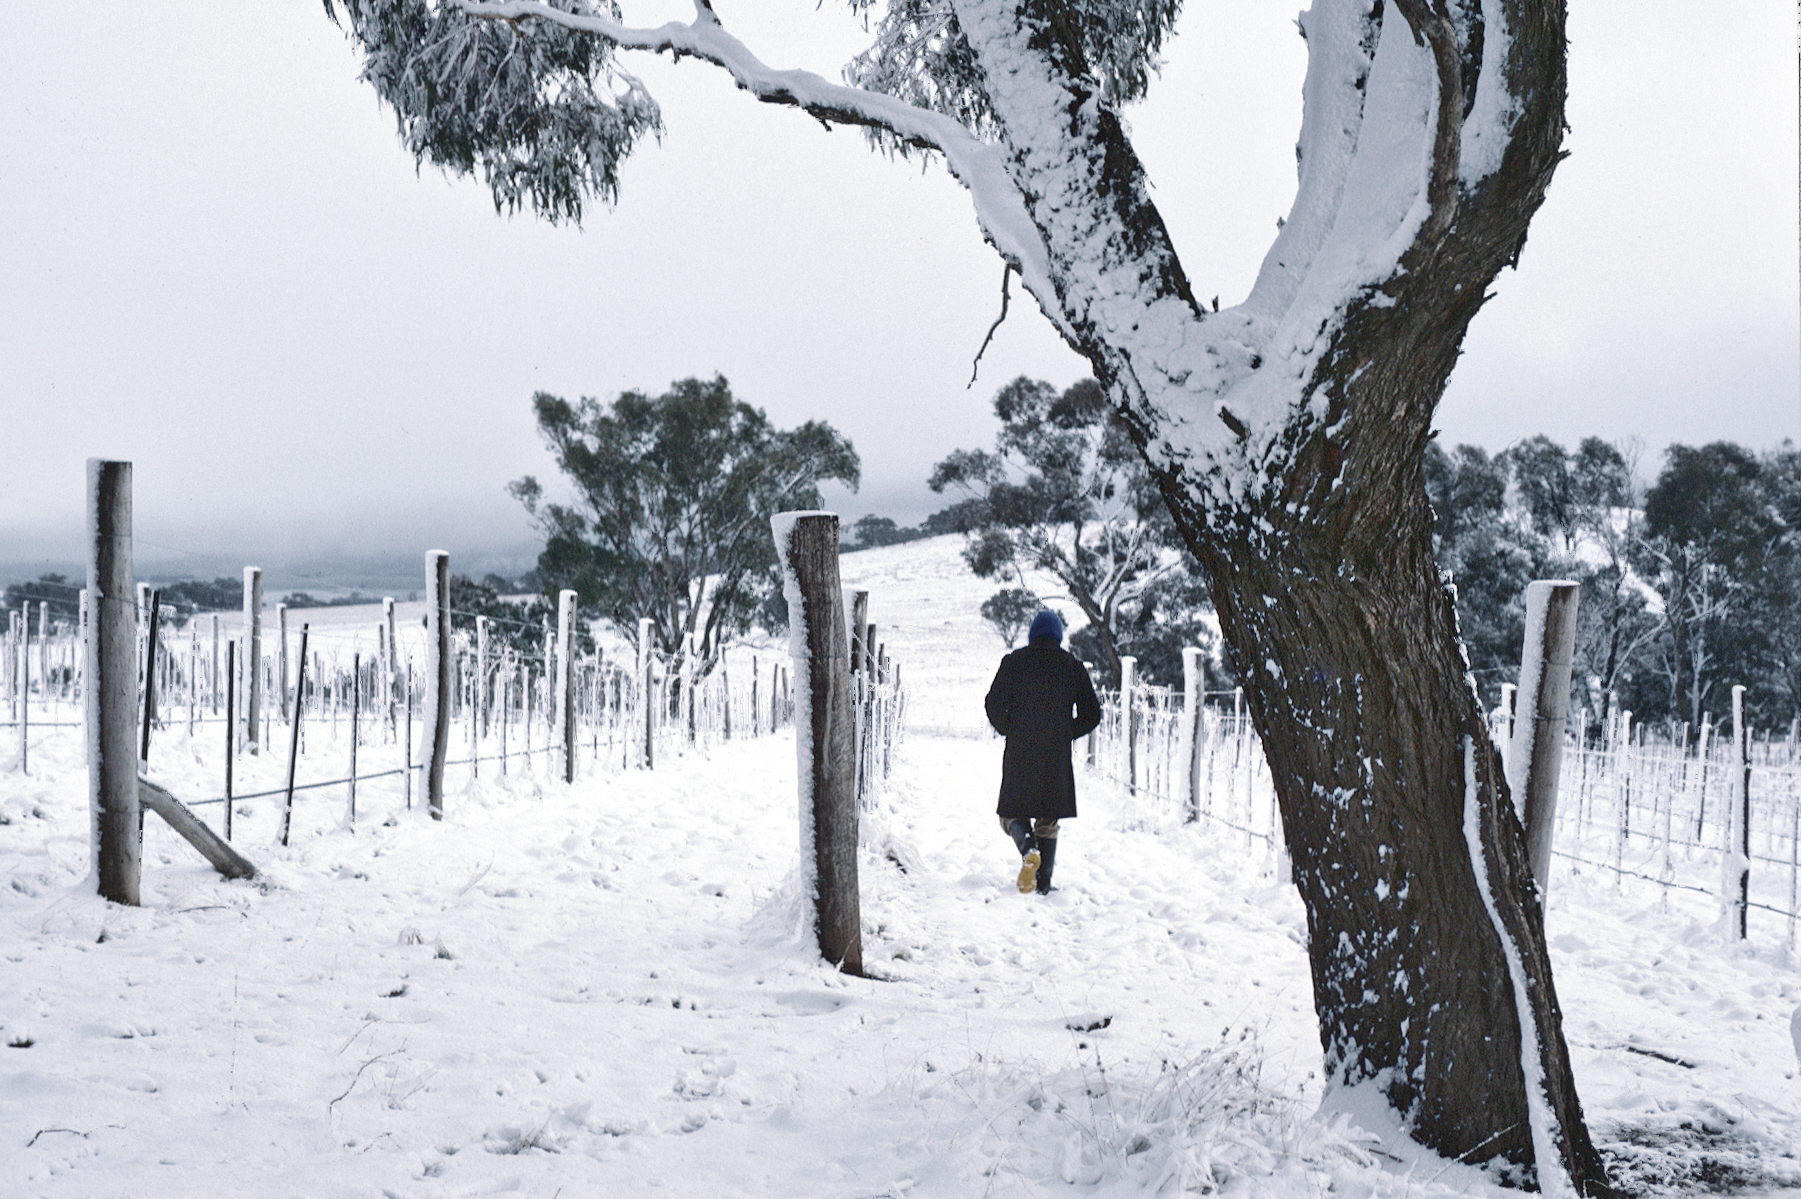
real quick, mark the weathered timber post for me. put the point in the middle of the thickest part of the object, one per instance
(755, 719)
(807, 543)
(437, 675)
(81, 657)
(687, 680)
(1510, 698)
(356, 705)
(1535, 755)
(1194, 699)
(112, 682)
(212, 679)
(44, 650)
(646, 693)
(1128, 719)
(231, 726)
(281, 659)
(725, 698)
(566, 678)
(22, 675)
(253, 656)
(481, 670)
(859, 618)
(393, 665)
(1737, 858)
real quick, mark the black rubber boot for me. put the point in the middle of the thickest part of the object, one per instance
(1021, 832)
(1047, 858)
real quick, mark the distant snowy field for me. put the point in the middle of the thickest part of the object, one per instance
(603, 989)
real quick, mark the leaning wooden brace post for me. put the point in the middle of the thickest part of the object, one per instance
(566, 679)
(253, 657)
(212, 847)
(1535, 754)
(437, 675)
(818, 641)
(112, 683)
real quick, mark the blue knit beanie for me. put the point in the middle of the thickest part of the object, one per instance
(1046, 624)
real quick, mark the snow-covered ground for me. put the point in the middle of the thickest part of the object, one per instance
(603, 989)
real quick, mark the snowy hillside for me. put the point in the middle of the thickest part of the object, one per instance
(603, 989)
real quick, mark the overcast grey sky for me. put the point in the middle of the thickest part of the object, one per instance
(219, 264)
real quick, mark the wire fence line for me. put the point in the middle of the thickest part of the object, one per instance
(1636, 809)
(365, 695)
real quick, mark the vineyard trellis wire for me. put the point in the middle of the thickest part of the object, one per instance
(1640, 810)
(360, 683)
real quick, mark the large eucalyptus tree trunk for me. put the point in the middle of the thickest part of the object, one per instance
(1288, 436)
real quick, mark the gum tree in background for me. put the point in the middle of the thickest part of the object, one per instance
(1287, 433)
(673, 499)
(1066, 492)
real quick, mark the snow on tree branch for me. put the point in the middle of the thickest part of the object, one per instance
(977, 164)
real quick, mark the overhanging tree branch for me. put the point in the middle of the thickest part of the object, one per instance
(980, 167)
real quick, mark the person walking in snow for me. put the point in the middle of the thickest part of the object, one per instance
(1041, 700)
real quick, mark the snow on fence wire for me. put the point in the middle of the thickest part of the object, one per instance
(354, 691)
(1664, 814)
(1647, 812)
(1230, 786)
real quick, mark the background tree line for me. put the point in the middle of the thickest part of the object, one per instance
(1689, 586)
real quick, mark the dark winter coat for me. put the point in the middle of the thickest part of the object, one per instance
(1040, 701)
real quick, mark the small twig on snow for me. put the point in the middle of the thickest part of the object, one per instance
(332, 1106)
(71, 1131)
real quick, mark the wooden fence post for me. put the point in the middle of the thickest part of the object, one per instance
(1535, 754)
(1194, 699)
(687, 697)
(1737, 855)
(231, 726)
(859, 621)
(1128, 719)
(281, 660)
(481, 671)
(566, 678)
(212, 676)
(44, 649)
(21, 620)
(253, 657)
(646, 693)
(112, 650)
(807, 543)
(437, 675)
(391, 680)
